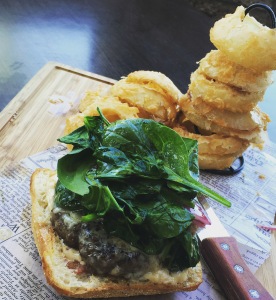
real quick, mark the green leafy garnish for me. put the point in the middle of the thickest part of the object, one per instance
(140, 177)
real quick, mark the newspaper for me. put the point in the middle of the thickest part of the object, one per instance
(251, 192)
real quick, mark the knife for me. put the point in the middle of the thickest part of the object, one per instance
(221, 254)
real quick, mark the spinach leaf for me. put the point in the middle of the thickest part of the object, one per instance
(87, 136)
(78, 138)
(136, 235)
(128, 136)
(177, 153)
(112, 163)
(167, 221)
(72, 169)
(66, 199)
(181, 253)
(99, 200)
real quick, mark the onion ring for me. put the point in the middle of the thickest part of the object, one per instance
(245, 41)
(215, 144)
(156, 81)
(111, 107)
(222, 96)
(159, 104)
(253, 136)
(248, 121)
(216, 65)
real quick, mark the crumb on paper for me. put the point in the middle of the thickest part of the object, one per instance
(5, 233)
(261, 176)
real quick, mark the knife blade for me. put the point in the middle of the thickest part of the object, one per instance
(221, 254)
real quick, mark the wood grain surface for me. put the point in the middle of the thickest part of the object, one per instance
(27, 126)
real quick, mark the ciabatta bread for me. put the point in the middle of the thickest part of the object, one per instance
(58, 260)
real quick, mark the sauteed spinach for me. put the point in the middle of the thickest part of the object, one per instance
(140, 177)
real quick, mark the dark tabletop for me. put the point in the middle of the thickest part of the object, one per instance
(110, 38)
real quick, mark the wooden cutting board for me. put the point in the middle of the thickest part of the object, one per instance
(29, 125)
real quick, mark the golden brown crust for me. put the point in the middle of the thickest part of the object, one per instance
(222, 96)
(245, 41)
(217, 66)
(249, 135)
(54, 259)
(145, 99)
(249, 121)
(215, 144)
(152, 92)
(156, 81)
(110, 106)
(216, 162)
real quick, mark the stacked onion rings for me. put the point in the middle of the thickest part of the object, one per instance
(225, 89)
(219, 109)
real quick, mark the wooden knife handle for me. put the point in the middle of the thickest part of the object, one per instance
(231, 272)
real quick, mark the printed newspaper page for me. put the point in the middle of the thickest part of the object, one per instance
(251, 192)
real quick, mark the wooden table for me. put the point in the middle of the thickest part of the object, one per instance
(28, 127)
(111, 38)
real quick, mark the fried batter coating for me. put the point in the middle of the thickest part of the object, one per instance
(214, 144)
(152, 92)
(217, 162)
(112, 108)
(253, 136)
(156, 81)
(222, 96)
(216, 65)
(245, 41)
(226, 123)
(237, 121)
(89, 98)
(73, 122)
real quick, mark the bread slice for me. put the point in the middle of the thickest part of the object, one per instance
(56, 257)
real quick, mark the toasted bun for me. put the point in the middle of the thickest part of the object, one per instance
(55, 257)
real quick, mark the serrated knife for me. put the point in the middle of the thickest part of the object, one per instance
(221, 254)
